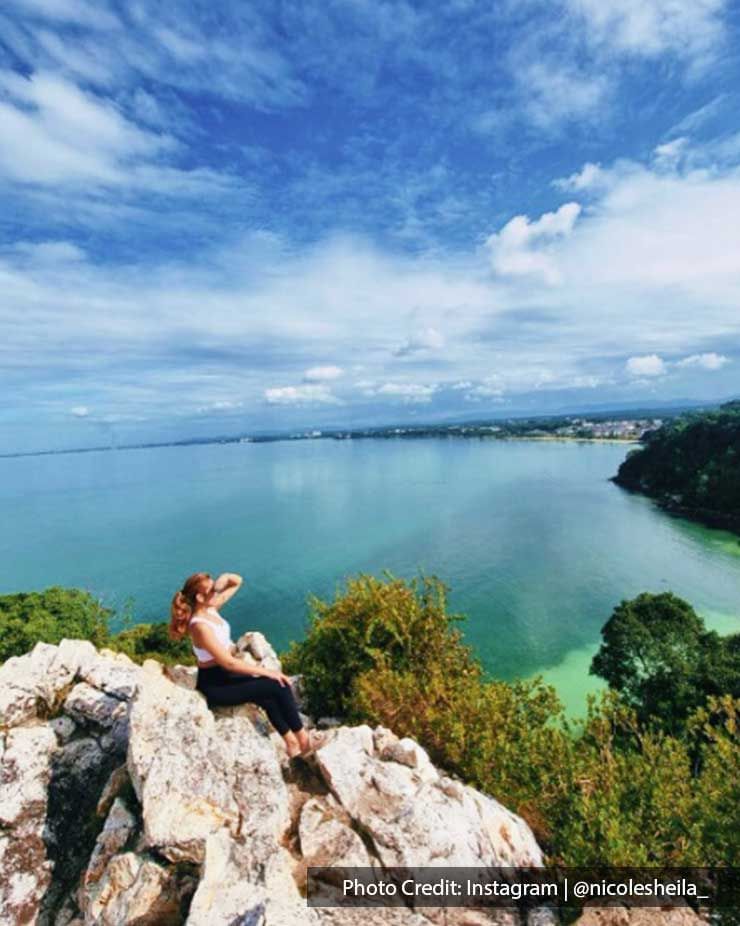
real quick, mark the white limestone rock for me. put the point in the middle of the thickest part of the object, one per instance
(25, 871)
(194, 775)
(134, 889)
(120, 825)
(87, 704)
(248, 881)
(325, 839)
(411, 818)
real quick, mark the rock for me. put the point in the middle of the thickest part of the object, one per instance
(247, 881)
(25, 771)
(64, 727)
(182, 675)
(79, 771)
(326, 839)
(117, 676)
(125, 800)
(256, 644)
(87, 704)
(325, 723)
(132, 890)
(116, 783)
(411, 818)
(639, 916)
(120, 825)
(194, 775)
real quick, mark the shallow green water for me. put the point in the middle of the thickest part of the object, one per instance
(535, 543)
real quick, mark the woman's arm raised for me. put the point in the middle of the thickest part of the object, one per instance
(226, 585)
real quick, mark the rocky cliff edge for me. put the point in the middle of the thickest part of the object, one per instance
(126, 801)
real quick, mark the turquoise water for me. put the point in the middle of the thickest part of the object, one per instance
(535, 543)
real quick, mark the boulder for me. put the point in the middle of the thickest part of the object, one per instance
(414, 815)
(126, 800)
(25, 771)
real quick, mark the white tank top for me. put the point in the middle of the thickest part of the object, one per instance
(222, 631)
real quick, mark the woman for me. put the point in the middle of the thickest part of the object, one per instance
(224, 679)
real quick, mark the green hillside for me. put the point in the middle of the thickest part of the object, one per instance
(691, 466)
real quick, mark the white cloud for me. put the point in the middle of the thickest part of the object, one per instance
(219, 406)
(687, 28)
(301, 395)
(321, 374)
(80, 411)
(79, 12)
(553, 92)
(426, 339)
(651, 263)
(590, 177)
(52, 132)
(709, 361)
(648, 365)
(484, 391)
(521, 248)
(407, 392)
(669, 154)
(49, 252)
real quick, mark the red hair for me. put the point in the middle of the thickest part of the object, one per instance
(184, 602)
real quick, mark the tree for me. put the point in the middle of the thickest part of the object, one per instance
(658, 654)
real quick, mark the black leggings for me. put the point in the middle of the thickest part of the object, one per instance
(222, 687)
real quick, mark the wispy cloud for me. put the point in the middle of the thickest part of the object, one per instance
(351, 211)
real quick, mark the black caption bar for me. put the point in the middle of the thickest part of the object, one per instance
(524, 888)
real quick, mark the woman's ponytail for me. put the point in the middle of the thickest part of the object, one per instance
(180, 612)
(183, 604)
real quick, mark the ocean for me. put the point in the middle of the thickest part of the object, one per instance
(535, 544)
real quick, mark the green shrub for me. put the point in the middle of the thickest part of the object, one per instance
(51, 615)
(374, 624)
(151, 641)
(56, 613)
(609, 789)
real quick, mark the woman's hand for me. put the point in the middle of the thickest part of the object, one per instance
(279, 676)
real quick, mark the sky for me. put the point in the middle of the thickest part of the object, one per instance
(225, 217)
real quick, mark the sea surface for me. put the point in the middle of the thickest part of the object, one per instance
(535, 544)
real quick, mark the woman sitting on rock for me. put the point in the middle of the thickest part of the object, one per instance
(222, 678)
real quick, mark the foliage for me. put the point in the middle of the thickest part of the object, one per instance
(658, 654)
(693, 460)
(375, 624)
(609, 789)
(51, 615)
(616, 788)
(152, 641)
(639, 796)
(58, 613)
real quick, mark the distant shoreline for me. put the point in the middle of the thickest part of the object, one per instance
(581, 440)
(384, 435)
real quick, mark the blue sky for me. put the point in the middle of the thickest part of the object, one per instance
(222, 217)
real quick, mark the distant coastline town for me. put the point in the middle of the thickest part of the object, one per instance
(564, 427)
(568, 428)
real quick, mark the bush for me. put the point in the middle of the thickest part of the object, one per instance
(387, 653)
(374, 625)
(51, 615)
(638, 797)
(58, 613)
(606, 790)
(152, 641)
